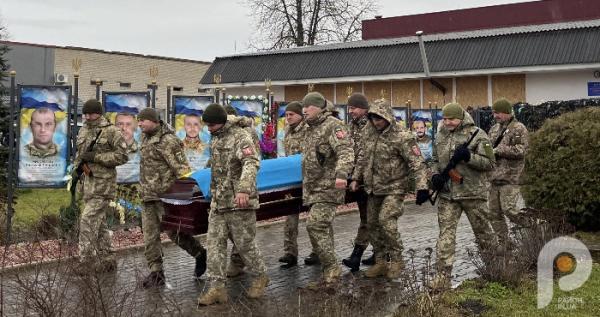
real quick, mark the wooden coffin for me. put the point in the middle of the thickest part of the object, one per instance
(186, 210)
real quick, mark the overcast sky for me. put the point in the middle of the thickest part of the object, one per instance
(193, 29)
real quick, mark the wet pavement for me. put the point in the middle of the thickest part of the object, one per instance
(52, 288)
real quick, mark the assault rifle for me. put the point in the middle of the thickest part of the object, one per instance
(450, 172)
(83, 168)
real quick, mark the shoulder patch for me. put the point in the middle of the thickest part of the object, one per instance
(248, 150)
(180, 157)
(489, 152)
(340, 133)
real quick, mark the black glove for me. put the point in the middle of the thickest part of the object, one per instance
(422, 196)
(88, 156)
(437, 182)
(461, 154)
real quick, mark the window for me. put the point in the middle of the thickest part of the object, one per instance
(124, 85)
(176, 88)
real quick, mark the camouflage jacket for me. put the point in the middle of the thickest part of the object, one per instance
(195, 145)
(111, 151)
(294, 138)
(357, 128)
(234, 165)
(389, 157)
(510, 153)
(328, 155)
(162, 162)
(475, 172)
(36, 152)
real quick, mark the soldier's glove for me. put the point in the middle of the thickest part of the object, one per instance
(437, 182)
(461, 154)
(422, 196)
(88, 156)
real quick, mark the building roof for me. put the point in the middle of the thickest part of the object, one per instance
(550, 44)
(105, 52)
(495, 16)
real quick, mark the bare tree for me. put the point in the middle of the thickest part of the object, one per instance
(294, 23)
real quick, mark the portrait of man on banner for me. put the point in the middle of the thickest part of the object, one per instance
(190, 129)
(122, 109)
(281, 129)
(44, 138)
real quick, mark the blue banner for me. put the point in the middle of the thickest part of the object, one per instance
(190, 128)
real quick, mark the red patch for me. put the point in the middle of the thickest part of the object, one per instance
(248, 151)
(416, 151)
(340, 134)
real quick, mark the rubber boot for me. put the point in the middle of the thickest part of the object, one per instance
(370, 260)
(353, 262)
(312, 259)
(289, 260)
(258, 286)
(213, 296)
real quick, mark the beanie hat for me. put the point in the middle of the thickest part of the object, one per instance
(453, 111)
(92, 106)
(214, 113)
(294, 106)
(358, 100)
(314, 99)
(230, 110)
(148, 114)
(503, 106)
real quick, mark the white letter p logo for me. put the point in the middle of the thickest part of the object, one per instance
(569, 255)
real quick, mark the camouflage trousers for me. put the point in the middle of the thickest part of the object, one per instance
(383, 215)
(290, 235)
(449, 212)
(151, 217)
(320, 232)
(240, 227)
(362, 235)
(506, 200)
(94, 239)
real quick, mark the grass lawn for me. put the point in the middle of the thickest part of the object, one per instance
(33, 203)
(477, 298)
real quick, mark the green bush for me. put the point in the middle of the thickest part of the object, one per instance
(562, 167)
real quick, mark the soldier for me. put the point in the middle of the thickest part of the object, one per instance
(295, 134)
(99, 186)
(456, 195)
(326, 164)
(234, 163)
(510, 142)
(162, 162)
(42, 125)
(390, 153)
(358, 106)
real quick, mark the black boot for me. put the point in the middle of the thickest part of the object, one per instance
(154, 279)
(200, 264)
(369, 261)
(312, 259)
(353, 262)
(289, 260)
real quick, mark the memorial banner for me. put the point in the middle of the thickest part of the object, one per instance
(190, 128)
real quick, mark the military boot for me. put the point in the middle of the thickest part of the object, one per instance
(290, 260)
(312, 259)
(200, 267)
(234, 270)
(369, 261)
(332, 274)
(353, 262)
(154, 279)
(394, 269)
(258, 286)
(380, 268)
(213, 296)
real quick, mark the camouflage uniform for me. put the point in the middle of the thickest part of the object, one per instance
(162, 162)
(33, 151)
(99, 187)
(234, 164)
(357, 128)
(195, 145)
(470, 196)
(389, 156)
(505, 193)
(292, 143)
(328, 154)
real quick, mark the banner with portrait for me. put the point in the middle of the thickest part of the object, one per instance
(342, 112)
(401, 115)
(44, 137)
(425, 115)
(122, 109)
(252, 107)
(190, 128)
(281, 123)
